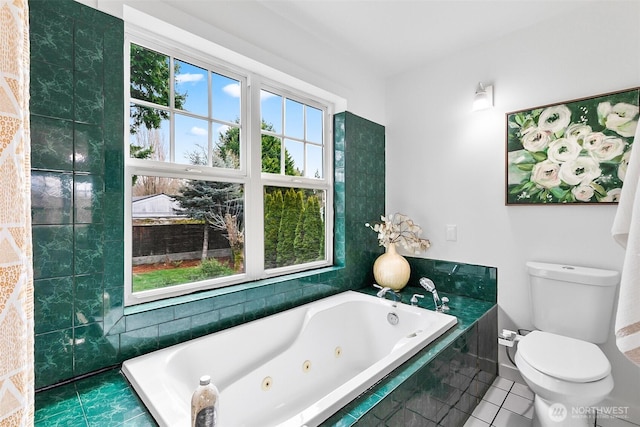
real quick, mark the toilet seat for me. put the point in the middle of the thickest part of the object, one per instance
(563, 357)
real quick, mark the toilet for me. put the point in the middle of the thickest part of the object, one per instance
(560, 361)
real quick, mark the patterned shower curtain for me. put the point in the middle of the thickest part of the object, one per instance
(16, 274)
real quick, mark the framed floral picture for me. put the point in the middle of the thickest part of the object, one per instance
(571, 153)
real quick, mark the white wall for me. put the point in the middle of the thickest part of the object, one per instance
(445, 164)
(251, 30)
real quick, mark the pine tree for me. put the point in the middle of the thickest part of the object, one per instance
(210, 202)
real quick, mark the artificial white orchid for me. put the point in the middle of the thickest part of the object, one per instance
(400, 229)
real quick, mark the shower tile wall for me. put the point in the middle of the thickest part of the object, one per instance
(76, 137)
(77, 128)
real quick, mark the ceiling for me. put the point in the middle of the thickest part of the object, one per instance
(387, 36)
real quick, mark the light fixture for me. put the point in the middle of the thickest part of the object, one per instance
(483, 98)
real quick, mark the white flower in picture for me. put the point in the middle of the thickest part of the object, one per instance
(535, 140)
(610, 148)
(554, 119)
(583, 193)
(563, 150)
(546, 174)
(579, 171)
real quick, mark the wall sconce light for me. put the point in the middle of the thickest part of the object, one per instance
(483, 98)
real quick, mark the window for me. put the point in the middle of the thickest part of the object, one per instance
(220, 193)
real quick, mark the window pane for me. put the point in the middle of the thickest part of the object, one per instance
(314, 161)
(180, 237)
(294, 153)
(149, 79)
(226, 98)
(149, 136)
(192, 140)
(314, 125)
(191, 88)
(294, 221)
(271, 154)
(271, 111)
(227, 146)
(294, 125)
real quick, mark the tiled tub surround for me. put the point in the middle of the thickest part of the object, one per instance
(318, 357)
(439, 386)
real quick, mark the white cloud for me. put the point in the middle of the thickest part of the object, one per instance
(198, 131)
(265, 95)
(223, 129)
(232, 89)
(189, 78)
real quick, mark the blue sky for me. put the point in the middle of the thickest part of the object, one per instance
(191, 132)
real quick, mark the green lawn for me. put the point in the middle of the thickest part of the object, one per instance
(162, 278)
(175, 276)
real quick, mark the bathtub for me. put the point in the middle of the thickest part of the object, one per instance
(290, 369)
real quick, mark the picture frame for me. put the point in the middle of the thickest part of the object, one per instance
(573, 152)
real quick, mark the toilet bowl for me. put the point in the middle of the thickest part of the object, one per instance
(571, 308)
(567, 375)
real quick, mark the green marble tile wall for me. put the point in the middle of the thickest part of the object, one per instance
(78, 226)
(474, 281)
(77, 198)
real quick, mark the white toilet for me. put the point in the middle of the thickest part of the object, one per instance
(572, 309)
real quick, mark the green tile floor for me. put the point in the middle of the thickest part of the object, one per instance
(103, 400)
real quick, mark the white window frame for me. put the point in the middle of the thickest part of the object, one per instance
(249, 174)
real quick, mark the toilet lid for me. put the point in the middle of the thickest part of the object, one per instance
(564, 358)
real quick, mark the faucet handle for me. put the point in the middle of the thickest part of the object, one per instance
(414, 299)
(445, 302)
(375, 285)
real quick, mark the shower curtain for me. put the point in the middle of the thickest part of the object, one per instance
(16, 274)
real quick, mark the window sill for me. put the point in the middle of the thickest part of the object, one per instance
(197, 296)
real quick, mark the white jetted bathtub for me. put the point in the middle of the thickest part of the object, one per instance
(293, 368)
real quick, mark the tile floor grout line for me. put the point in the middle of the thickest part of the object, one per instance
(501, 404)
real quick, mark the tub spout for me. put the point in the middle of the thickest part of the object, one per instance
(384, 291)
(431, 287)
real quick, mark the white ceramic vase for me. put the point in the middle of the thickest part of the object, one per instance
(391, 270)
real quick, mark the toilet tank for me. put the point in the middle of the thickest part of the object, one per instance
(572, 301)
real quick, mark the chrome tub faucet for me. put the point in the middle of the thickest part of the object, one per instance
(384, 291)
(427, 284)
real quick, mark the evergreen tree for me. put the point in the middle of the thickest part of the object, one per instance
(229, 143)
(288, 223)
(309, 242)
(273, 205)
(209, 202)
(149, 81)
(220, 205)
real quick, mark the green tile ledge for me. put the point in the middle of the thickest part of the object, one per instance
(107, 399)
(198, 296)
